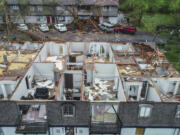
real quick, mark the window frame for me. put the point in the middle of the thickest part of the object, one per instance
(103, 121)
(177, 116)
(15, 7)
(40, 8)
(145, 106)
(68, 105)
(32, 9)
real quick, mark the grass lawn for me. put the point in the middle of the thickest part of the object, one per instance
(150, 22)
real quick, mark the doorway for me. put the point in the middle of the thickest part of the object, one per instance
(27, 82)
(140, 131)
(69, 131)
(69, 81)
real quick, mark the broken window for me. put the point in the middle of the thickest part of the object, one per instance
(178, 112)
(145, 110)
(68, 110)
(104, 113)
(33, 113)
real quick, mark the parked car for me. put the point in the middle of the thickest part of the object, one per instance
(107, 27)
(126, 29)
(60, 27)
(44, 27)
(22, 27)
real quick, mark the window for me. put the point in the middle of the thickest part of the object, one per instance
(61, 18)
(106, 8)
(145, 110)
(178, 112)
(32, 9)
(59, 8)
(84, 8)
(68, 110)
(40, 9)
(41, 18)
(15, 7)
(104, 113)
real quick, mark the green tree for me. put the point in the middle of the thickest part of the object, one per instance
(174, 7)
(140, 7)
(23, 7)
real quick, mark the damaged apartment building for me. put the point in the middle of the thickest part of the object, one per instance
(61, 11)
(82, 88)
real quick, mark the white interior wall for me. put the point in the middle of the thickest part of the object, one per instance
(21, 89)
(9, 131)
(30, 46)
(111, 56)
(96, 47)
(77, 80)
(81, 131)
(44, 70)
(61, 89)
(121, 94)
(128, 131)
(80, 58)
(138, 92)
(89, 75)
(57, 131)
(108, 71)
(42, 54)
(122, 47)
(159, 131)
(9, 88)
(53, 48)
(152, 95)
(163, 84)
(77, 47)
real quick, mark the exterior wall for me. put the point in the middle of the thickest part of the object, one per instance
(1, 19)
(52, 130)
(34, 12)
(36, 19)
(85, 131)
(151, 131)
(160, 131)
(128, 131)
(112, 20)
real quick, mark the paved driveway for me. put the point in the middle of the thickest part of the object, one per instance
(79, 36)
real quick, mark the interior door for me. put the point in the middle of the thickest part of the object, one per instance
(69, 81)
(69, 131)
(140, 131)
